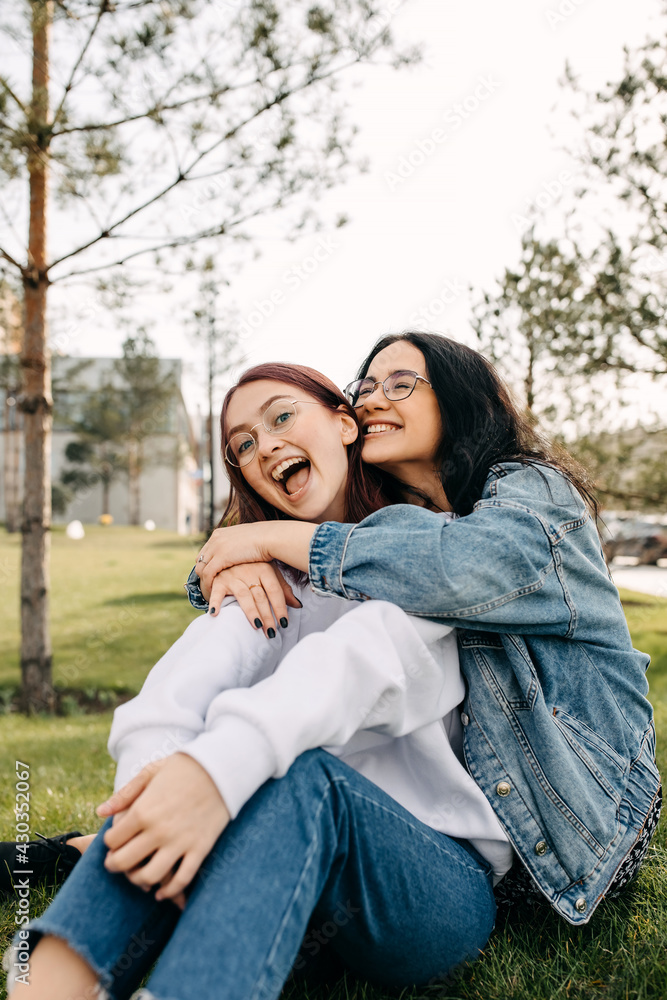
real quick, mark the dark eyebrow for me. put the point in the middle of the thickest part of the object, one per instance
(396, 371)
(262, 410)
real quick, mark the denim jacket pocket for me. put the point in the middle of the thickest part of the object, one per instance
(518, 690)
(603, 762)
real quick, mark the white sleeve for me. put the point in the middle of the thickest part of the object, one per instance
(212, 655)
(377, 668)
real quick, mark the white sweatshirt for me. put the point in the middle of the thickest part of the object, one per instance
(365, 681)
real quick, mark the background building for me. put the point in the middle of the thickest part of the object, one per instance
(170, 479)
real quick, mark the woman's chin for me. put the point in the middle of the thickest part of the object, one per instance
(316, 509)
(375, 454)
(305, 504)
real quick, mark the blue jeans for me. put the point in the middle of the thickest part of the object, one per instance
(320, 869)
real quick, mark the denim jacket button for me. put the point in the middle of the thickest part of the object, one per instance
(541, 847)
(503, 788)
(580, 905)
(465, 719)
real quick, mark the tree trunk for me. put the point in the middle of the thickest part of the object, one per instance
(37, 689)
(134, 478)
(106, 484)
(12, 466)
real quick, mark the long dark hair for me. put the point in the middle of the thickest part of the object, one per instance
(481, 424)
(363, 491)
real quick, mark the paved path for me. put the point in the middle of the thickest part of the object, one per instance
(645, 579)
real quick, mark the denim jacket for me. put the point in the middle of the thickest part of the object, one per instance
(559, 733)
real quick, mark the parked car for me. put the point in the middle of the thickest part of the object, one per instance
(645, 540)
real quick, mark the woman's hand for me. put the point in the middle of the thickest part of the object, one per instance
(263, 541)
(121, 800)
(172, 823)
(231, 546)
(261, 591)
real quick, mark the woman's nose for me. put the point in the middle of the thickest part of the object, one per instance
(267, 443)
(376, 397)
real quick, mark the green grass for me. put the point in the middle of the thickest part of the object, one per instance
(117, 604)
(532, 954)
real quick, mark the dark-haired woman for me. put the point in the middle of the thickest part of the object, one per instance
(374, 833)
(559, 733)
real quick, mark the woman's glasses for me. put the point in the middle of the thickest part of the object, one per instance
(278, 417)
(399, 385)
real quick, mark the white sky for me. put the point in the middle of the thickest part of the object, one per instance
(447, 225)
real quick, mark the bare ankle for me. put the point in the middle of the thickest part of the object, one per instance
(81, 843)
(55, 972)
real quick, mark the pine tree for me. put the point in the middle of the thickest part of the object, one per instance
(155, 125)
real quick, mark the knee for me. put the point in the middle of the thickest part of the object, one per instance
(314, 765)
(314, 774)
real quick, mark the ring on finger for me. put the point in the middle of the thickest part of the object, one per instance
(202, 560)
(255, 585)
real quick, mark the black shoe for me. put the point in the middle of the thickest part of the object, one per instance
(49, 861)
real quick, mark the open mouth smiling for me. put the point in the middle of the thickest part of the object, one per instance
(291, 475)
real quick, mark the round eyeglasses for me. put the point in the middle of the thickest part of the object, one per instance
(398, 385)
(278, 417)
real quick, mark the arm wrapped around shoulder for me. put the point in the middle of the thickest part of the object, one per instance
(527, 559)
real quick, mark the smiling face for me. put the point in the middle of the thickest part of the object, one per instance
(403, 436)
(303, 470)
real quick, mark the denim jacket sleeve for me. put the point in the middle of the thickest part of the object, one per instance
(193, 590)
(507, 567)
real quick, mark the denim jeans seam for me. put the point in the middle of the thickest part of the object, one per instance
(257, 991)
(443, 850)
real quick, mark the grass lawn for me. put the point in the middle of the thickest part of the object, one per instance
(118, 604)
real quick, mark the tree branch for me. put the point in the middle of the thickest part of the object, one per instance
(8, 257)
(12, 226)
(160, 106)
(103, 9)
(179, 241)
(157, 109)
(627, 494)
(5, 85)
(277, 100)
